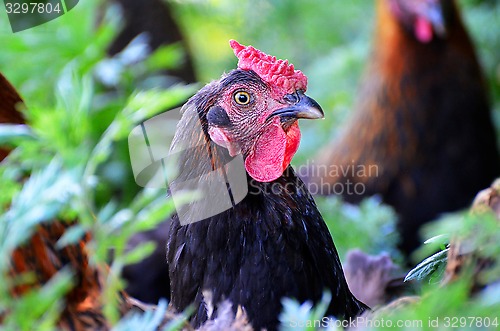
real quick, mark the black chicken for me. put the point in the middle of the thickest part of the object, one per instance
(273, 243)
(421, 135)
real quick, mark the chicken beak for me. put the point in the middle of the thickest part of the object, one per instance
(302, 107)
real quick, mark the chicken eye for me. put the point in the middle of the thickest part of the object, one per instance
(242, 98)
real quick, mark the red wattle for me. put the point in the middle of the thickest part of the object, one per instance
(272, 152)
(292, 144)
(423, 30)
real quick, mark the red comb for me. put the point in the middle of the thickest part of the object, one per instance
(277, 73)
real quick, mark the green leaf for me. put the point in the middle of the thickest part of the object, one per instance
(428, 266)
(151, 320)
(40, 307)
(166, 57)
(12, 132)
(139, 252)
(42, 197)
(305, 316)
(146, 104)
(71, 235)
(441, 239)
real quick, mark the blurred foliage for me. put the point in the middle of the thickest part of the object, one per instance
(371, 226)
(449, 307)
(74, 152)
(81, 105)
(301, 316)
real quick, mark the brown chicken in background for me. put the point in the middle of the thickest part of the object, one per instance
(9, 113)
(41, 257)
(421, 135)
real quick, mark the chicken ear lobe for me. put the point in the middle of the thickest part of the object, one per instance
(218, 129)
(222, 137)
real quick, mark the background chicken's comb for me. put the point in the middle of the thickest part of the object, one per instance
(277, 73)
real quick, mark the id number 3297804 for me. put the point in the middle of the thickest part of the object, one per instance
(32, 8)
